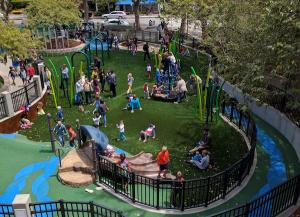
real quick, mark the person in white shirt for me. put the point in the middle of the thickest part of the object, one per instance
(64, 78)
(204, 162)
(96, 120)
(180, 90)
(121, 128)
(149, 69)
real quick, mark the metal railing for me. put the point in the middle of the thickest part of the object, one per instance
(170, 194)
(6, 210)
(269, 204)
(24, 96)
(70, 208)
(3, 112)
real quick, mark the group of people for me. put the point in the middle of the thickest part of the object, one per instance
(19, 69)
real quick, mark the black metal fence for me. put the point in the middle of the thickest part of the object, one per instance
(25, 95)
(170, 194)
(6, 210)
(74, 209)
(3, 112)
(269, 204)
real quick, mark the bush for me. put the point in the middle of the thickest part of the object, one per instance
(18, 4)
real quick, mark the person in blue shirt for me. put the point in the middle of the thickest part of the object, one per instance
(201, 160)
(135, 104)
(60, 113)
(157, 77)
(61, 131)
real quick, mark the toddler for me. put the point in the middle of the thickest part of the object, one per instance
(96, 120)
(146, 91)
(121, 128)
(149, 70)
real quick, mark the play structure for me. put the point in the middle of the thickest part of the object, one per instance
(78, 166)
(86, 56)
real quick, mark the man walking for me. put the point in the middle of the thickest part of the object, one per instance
(146, 51)
(112, 79)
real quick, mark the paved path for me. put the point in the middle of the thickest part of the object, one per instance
(7, 86)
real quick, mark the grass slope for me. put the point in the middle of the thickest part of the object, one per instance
(177, 125)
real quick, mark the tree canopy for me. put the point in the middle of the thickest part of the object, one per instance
(49, 12)
(17, 42)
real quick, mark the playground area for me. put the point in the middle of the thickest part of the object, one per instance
(70, 171)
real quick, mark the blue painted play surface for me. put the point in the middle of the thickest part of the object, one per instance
(93, 46)
(39, 187)
(277, 168)
(8, 136)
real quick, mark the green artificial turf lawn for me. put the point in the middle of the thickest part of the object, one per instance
(177, 125)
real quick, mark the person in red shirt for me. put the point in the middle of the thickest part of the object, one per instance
(72, 135)
(30, 71)
(162, 161)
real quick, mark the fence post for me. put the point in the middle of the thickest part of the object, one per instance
(225, 181)
(59, 157)
(231, 112)
(92, 208)
(207, 192)
(297, 191)
(62, 208)
(78, 132)
(115, 178)
(247, 209)
(8, 103)
(120, 214)
(157, 193)
(223, 107)
(182, 196)
(37, 81)
(240, 119)
(133, 187)
(26, 94)
(94, 171)
(21, 205)
(52, 139)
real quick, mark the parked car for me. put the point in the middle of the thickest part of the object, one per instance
(116, 24)
(115, 14)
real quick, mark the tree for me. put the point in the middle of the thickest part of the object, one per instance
(86, 10)
(5, 7)
(49, 12)
(136, 10)
(17, 42)
(181, 9)
(105, 3)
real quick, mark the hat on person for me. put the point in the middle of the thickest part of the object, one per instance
(164, 148)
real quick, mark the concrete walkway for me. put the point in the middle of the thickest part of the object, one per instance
(7, 86)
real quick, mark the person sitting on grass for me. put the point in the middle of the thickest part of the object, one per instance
(61, 131)
(204, 143)
(134, 103)
(149, 132)
(163, 161)
(201, 160)
(72, 135)
(24, 122)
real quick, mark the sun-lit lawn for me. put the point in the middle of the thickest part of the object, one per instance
(177, 125)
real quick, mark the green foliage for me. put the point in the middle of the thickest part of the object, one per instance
(255, 40)
(17, 42)
(49, 12)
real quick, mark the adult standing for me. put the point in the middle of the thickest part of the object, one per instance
(103, 109)
(64, 78)
(87, 88)
(146, 51)
(135, 42)
(177, 190)
(180, 90)
(30, 72)
(112, 79)
(102, 77)
(163, 161)
(79, 90)
(23, 75)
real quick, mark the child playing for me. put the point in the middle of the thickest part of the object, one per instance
(72, 135)
(96, 120)
(116, 42)
(146, 91)
(133, 49)
(121, 128)
(60, 113)
(61, 132)
(149, 70)
(97, 104)
(149, 132)
(130, 80)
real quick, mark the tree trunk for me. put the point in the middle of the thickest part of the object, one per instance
(108, 6)
(86, 10)
(5, 9)
(203, 27)
(183, 24)
(136, 5)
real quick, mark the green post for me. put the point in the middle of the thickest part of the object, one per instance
(218, 101)
(206, 88)
(71, 79)
(56, 76)
(199, 93)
